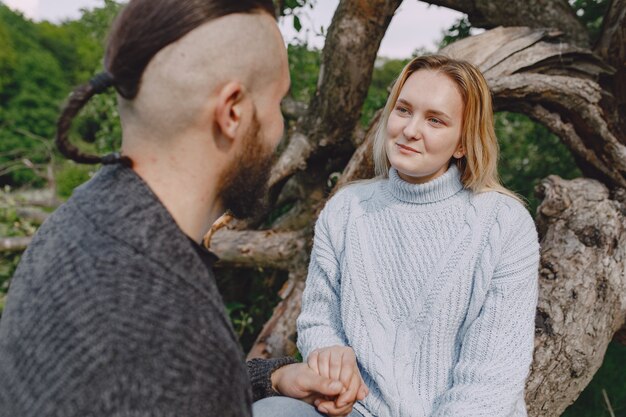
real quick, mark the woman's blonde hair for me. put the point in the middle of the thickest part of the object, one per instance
(479, 166)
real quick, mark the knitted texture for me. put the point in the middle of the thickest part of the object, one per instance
(260, 371)
(435, 289)
(111, 312)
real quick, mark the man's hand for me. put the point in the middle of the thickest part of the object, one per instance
(338, 363)
(299, 381)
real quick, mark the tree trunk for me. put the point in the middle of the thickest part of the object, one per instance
(545, 71)
(582, 302)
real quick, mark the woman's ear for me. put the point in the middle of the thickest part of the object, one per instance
(459, 152)
(229, 109)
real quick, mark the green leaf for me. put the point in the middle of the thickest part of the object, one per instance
(296, 23)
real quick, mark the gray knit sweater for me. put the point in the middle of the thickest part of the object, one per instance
(112, 312)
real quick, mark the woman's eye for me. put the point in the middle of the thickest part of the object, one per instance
(435, 121)
(402, 110)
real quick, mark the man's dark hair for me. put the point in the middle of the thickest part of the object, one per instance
(141, 30)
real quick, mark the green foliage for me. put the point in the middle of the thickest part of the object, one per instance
(610, 378)
(8, 263)
(70, 176)
(529, 153)
(459, 30)
(304, 66)
(250, 296)
(11, 225)
(39, 65)
(591, 13)
(382, 78)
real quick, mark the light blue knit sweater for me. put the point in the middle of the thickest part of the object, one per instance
(435, 289)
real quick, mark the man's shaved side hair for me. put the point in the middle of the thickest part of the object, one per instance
(180, 79)
(142, 30)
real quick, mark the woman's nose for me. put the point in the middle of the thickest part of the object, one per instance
(412, 130)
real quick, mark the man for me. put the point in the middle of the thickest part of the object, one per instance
(113, 309)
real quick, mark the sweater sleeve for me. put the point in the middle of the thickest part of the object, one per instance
(260, 373)
(319, 324)
(496, 350)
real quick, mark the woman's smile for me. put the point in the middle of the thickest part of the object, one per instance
(407, 150)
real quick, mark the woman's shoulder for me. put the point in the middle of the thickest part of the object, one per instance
(512, 218)
(508, 205)
(354, 193)
(348, 202)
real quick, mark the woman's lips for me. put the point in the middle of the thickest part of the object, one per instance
(407, 148)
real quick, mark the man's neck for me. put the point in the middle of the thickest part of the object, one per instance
(188, 193)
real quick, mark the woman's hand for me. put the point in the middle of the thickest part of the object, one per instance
(338, 363)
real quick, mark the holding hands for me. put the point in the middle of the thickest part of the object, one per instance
(338, 363)
(330, 381)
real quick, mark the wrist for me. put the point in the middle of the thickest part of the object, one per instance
(275, 379)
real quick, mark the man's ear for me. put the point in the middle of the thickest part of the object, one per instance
(229, 109)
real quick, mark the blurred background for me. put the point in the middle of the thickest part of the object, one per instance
(47, 47)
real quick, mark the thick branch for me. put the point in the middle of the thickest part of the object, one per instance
(578, 100)
(293, 109)
(352, 43)
(361, 165)
(38, 198)
(255, 249)
(526, 68)
(14, 244)
(277, 337)
(582, 298)
(612, 48)
(488, 14)
(32, 214)
(564, 130)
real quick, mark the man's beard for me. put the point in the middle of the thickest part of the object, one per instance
(244, 185)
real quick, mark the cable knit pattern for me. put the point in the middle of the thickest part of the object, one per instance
(434, 287)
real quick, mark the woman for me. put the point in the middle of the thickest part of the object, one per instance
(429, 272)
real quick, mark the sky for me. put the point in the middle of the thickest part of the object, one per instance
(415, 25)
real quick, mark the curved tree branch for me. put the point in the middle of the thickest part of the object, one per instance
(528, 67)
(556, 14)
(348, 57)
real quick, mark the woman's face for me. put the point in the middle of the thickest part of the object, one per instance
(424, 127)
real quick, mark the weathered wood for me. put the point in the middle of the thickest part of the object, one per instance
(612, 48)
(527, 68)
(278, 335)
(532, 13)
(264, 248)
(348, 57)
(361, 165)
(14, 244)
(582, 299)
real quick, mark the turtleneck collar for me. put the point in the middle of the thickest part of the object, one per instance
(439, 189)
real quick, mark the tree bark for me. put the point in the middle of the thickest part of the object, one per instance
(489, 14)
(612, 48)
(14, 244)
(348, 57)
(263, 248)
(557, 84)
(582, 301)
